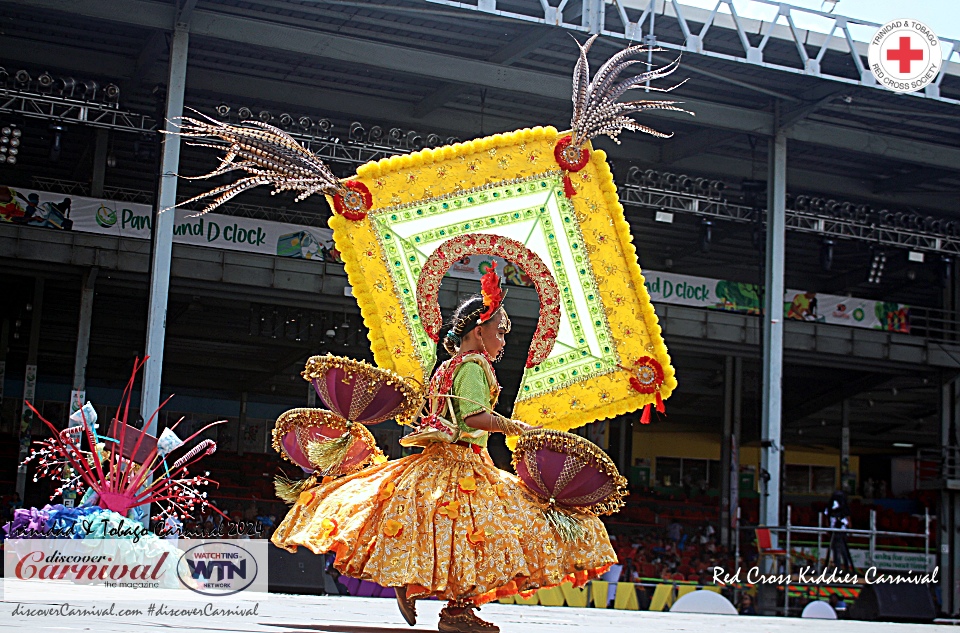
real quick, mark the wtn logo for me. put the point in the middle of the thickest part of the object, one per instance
(223, 568)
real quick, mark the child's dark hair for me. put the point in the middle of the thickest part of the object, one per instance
(465, 318)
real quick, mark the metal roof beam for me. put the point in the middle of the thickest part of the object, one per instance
(696, 158)
(466, 71)
(693, 144)
(909, 180)
(819, 98)
(185, 12)
(531, 40)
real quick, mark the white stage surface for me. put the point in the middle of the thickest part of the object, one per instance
(281, 613)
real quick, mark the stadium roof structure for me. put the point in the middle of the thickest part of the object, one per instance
(469, 69)
(463, 70)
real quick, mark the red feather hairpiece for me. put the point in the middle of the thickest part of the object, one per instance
(492, 293)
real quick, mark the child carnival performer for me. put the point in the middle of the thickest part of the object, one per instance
(447, 522)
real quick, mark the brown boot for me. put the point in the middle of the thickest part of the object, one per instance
(462, 619)
(407, 607)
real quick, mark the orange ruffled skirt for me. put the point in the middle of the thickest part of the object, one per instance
(445, 523)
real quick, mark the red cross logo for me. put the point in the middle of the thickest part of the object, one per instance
(905, 54)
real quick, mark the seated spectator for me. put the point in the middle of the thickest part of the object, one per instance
(746, 605)
(706, 533)
(675, 532)
(251, 512)
(837, 604)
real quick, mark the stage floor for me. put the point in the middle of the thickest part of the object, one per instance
(281, 613)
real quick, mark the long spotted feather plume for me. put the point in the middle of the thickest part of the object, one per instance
(267, 154)
(596, 110)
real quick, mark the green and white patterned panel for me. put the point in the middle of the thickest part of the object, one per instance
(535, 212)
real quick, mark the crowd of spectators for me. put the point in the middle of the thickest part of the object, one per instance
(676, 553)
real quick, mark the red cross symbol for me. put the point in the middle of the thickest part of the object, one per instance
(905, 54)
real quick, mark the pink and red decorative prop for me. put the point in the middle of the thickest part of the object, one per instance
(118, 470)
(568, 471)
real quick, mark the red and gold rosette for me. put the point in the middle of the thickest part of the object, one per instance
(571, 159)
(354, 201)
(646, 376)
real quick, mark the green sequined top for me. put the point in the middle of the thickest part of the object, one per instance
(470, 381)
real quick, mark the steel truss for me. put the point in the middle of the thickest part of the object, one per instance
(353, 153)
(799, 221)
(39, 106)
(593, 19)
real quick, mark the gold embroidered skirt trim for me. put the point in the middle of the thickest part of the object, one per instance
(445, 523)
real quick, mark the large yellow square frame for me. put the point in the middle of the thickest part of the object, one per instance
(406, 181)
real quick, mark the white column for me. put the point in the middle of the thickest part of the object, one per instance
(771, 449)
(163, 239)
(163, 231)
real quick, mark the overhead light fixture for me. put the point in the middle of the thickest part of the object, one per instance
(706, 235)
(56, 143)
(9, 144)
(414, 140)
(876, 267)
(826, 255)
(111, 94)
(22, 78)
(324, 126)
(223, 110)
(356, 132)
(946, 272)
(433, 140)
(395, 136)
(664, 216)
(914, 256)
(45, 83)
(305, 123)
(902, 445)
(65, 86)
(90, 88)
(4, 76)
(286, 121)
(245, 113)
(375, 134)
(265, 116)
